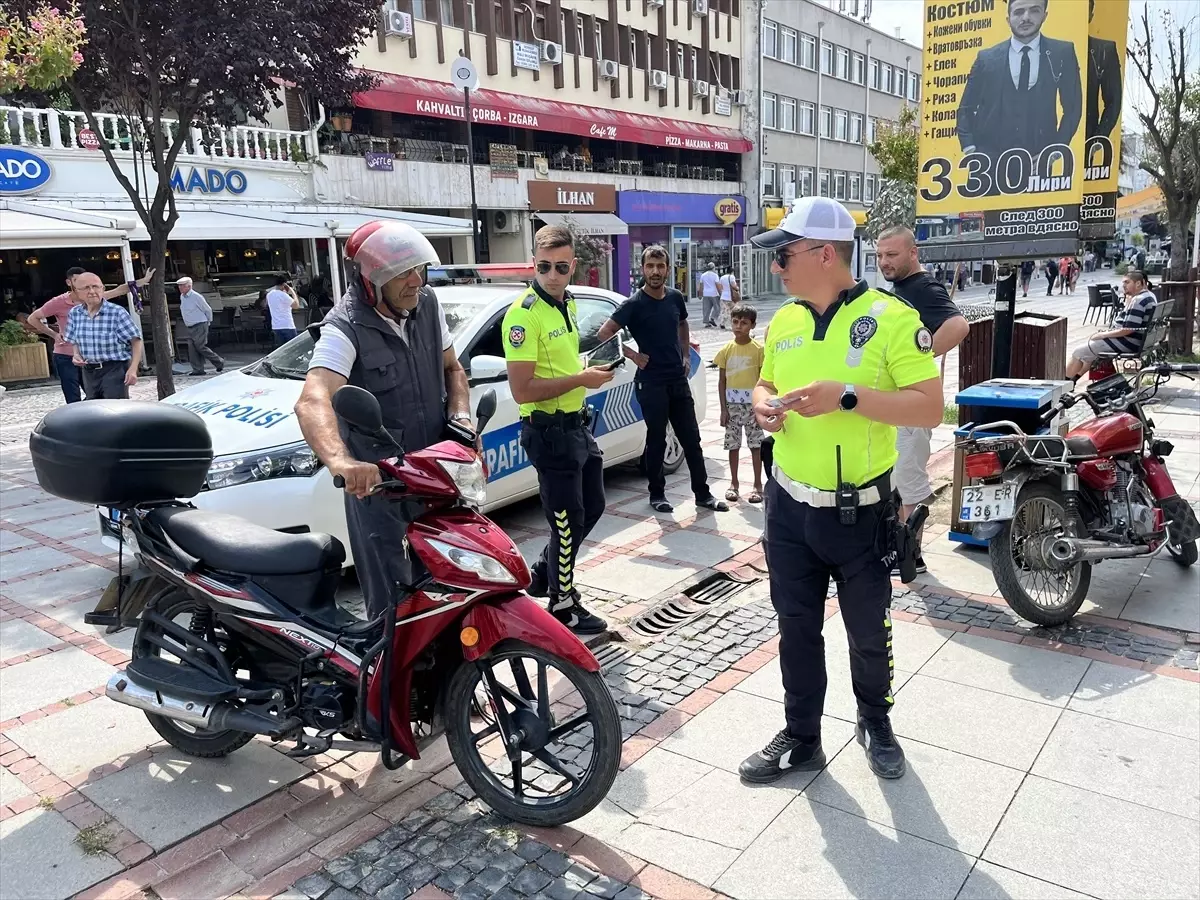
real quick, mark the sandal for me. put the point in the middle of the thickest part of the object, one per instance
(755, 497)
(732, 495)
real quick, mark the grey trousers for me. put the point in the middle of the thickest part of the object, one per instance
(106, 381)
(198, 349)
(711, 307)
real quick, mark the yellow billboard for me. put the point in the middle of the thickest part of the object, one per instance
(1002, 129)
(1108, 23)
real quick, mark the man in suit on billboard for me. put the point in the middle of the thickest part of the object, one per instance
(1015, 88)
(1104, 84)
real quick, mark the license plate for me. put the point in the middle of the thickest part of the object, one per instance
(987, 503)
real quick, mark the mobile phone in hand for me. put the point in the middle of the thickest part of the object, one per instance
(614, 365)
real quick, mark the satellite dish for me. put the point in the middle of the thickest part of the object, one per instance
(464, 75)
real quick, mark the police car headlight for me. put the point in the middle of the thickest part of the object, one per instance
(469, 478)
(476, 563)
(291, 461)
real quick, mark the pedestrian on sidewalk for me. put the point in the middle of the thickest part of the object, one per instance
(896, 253)
(1051, 276)
(730, 294)
(108, 344)
(740, 362)
(843, 365)
(1027, 268)
(197, 317)
(710, 296)
(656, 316)
(281, 300)
(70, 378)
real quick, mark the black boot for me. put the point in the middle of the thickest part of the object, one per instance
(782, 754)
(569, 610)
(884, 755)
(538, 585)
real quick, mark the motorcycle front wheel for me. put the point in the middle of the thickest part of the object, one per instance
(535, 736)
(1037, 592)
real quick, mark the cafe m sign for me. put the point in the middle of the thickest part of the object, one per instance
(22, 172)
(208, 181)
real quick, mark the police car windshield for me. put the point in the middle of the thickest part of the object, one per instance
(459, 315)
(288, 361)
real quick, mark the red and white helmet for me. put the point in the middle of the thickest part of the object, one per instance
(383, 250)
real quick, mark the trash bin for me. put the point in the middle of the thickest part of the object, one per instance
(1018, 400)
(1039, 350)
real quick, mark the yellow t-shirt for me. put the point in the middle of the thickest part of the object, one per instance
(867, 337)
(546, 334)
(742, 363)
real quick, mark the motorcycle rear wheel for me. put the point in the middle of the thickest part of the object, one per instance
(512, 790)
(1183, 552)
(1006, 551)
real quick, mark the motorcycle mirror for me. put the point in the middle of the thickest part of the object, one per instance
(485, 410)
(358, 407)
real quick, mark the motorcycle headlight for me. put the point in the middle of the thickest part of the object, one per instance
(476, 563)
(469, 478)
(292, 461)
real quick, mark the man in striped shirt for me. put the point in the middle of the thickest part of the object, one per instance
(1128, 332)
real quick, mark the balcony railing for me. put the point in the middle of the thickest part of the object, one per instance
(59, 129)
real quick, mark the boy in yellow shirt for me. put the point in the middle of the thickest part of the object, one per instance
(740, 362)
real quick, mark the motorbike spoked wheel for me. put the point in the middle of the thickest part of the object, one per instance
(1183, 552)
(180, 608)
(1037, 592)
(562, 763)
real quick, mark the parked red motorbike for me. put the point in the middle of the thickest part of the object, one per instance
(1052, 507)
(239, 634)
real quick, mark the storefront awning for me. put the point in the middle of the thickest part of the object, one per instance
(586, 223)
(418, 96)
(343, 222)
(24, 227)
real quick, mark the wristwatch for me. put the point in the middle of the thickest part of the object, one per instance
(849, 398)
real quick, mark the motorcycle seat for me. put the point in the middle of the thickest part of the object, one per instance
(1051, 446)
(235, 545)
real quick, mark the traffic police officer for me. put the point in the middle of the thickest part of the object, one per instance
(844, 365)
(547, 377)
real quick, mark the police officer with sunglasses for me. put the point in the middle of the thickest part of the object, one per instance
(843, 365)
(547, 377)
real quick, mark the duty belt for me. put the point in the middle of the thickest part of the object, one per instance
(872, 492)
(560, 419)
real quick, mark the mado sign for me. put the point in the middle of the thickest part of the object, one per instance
(208, 181)
(22, 172)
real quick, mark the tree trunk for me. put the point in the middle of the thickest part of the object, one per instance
(1177, 267)
(160, 316)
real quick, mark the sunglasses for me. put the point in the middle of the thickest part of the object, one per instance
(782, 255)
(562, 268)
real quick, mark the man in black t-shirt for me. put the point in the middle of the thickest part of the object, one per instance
(896, 253)
(656, 316)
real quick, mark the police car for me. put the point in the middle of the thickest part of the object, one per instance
(263, 470)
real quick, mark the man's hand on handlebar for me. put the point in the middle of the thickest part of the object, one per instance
(357, 478)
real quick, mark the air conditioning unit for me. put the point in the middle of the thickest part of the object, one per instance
(658, 79)
(700, 88)
(551, 53)
(699, 8)
(609, 70)
(505, 222)
(399, 23)
(740, 98)
(656, 4)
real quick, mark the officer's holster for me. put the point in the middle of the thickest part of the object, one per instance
(903, 546)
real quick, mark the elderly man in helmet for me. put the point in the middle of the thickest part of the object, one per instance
(387, 335)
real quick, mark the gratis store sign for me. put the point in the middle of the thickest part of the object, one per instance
(22, 172)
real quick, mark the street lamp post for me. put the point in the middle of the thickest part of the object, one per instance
(465, 76)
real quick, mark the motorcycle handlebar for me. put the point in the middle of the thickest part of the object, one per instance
(339, 481)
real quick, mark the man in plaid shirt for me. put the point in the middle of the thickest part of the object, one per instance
(108, 344)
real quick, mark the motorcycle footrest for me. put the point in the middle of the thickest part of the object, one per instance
(107, 619)
(186, 682)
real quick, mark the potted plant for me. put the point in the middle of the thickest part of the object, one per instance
(22, 355)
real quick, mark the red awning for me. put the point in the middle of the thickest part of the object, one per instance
(417, 96)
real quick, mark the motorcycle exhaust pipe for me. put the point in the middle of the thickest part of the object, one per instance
(1070, 551)
(191, 712)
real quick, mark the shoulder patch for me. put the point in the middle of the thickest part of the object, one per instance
(923, 339)
(516, 335)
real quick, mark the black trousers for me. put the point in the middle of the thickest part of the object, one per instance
(664, 402)
(106, 381)
(70, 376)
(570, 472)
(806, 547)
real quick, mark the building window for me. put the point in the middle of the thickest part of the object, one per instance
(843, 63)
(679, 69)
(824, 183)
(855, 187)
(804, 187)
(787, 176)
(768, 110)
(856, 128)
(787, 114)
(598, 32)
(827, 57)
(901, 82)
(770, 40)
(579, 40)
(826, 122)
(769, 186)
(885, 78)
(869, 191)
(872, 129)
(839, 185)
(840, 125)
(696, 65)
(788, 48)
(873, 74)
(808, 118)
(808, 52)
(914, 86)
(859, 68)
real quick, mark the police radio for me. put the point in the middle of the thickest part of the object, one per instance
(847, 495)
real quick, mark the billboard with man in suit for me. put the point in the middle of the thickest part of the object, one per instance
(1108, 22)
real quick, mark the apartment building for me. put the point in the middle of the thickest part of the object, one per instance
(625, 115)
(828, 80)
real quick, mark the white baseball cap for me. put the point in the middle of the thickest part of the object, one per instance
(186, 279)
(811, 218)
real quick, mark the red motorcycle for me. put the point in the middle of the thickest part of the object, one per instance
(238, 633)
(1051, 507)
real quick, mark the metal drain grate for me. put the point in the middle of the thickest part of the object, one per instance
(716, 588)
(693, 603)
(610, 654)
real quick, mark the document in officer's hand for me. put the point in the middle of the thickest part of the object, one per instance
(609, 354)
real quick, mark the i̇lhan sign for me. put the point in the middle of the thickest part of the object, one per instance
(548, 196)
